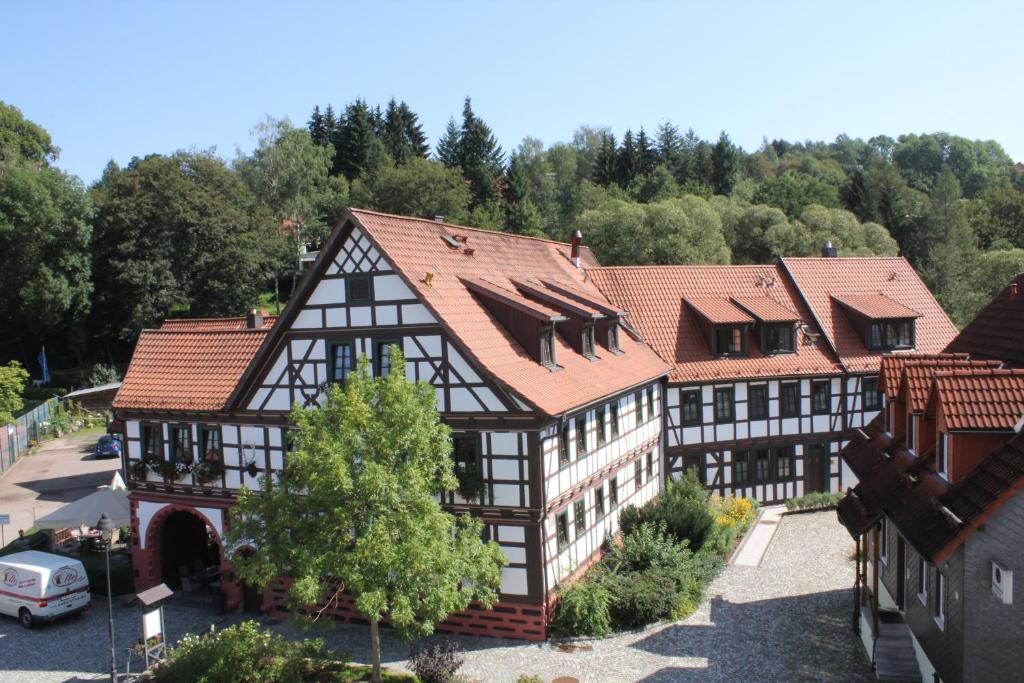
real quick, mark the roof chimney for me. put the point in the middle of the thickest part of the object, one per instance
(1014, 290)
(254, 320)
(828, 251)
(439, 219)
(577, 241)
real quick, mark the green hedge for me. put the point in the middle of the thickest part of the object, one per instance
(814, 501)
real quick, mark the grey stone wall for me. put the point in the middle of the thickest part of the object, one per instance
(994, 632)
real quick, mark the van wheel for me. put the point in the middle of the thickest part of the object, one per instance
(25, 617)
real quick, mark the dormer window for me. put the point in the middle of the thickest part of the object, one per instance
(883, 324)
(885, 335)
(547, 346)
(588, 341)
(613, 336)
(731, 340)
(778, 338)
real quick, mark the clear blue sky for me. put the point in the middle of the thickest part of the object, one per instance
(114, 80)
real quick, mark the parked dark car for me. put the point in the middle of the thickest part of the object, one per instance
(109, 446)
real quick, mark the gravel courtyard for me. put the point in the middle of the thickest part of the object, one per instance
(785, 620)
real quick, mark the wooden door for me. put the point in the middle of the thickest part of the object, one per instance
(816, 465)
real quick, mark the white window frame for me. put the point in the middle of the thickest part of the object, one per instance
(943, 464)
(940, 595)
(883, 541)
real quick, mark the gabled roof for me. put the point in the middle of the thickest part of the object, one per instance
(997, 331)
(766, 309)
(819, 279)
(891, 374)
(933, 515)
(197, 324)
(654, 297)
(450, 267)
(187, 370)
(978, 398)
(917, 377)
(875, 306)
(719, 310)
(417, 246)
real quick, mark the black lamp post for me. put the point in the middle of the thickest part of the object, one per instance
(106, 529)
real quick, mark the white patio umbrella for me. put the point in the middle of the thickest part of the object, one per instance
(86, 510)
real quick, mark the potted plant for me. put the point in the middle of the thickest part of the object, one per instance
(137, 469)
(208, 471)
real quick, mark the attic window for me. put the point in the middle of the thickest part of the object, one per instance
(588, 341)
(778, 338)
(891, 334)
(547, 346)
(358, 289)
(731, 340)
(613, 336)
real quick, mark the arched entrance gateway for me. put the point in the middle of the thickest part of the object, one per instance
(182, 546)
(190, 552)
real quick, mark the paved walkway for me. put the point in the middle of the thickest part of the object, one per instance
(62, 470)
(757, 540)
(786, 619)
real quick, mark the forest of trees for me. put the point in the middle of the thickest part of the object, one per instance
(83, 269)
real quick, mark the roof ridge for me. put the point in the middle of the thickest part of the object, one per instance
(843, 258)
(224, 330)
(460, 227)
(666, 266)
(981, 372)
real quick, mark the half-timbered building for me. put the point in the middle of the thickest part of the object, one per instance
(555, 404)
(773, 364)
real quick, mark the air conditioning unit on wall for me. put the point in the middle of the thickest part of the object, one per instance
(1002, 583)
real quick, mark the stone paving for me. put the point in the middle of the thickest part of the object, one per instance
(784, 620)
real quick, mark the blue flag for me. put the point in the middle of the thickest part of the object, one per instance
(44, 365)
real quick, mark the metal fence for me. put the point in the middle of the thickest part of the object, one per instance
(15, 437)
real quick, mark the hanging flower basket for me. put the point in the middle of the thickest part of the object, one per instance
(137, 469)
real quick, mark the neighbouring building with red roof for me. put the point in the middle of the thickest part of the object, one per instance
(772, 365)
(936, 516)
(554, 402)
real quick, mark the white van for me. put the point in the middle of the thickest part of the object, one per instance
(37, 586)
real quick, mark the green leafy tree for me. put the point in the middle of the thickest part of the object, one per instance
(45, 239)
(447, 151)
(355, 511)
(793, 191)
(655, 186)
(606, 161)
(177, 232)
(416, 188)
(847, 234)
(626, 161)
(12, 385)
(103, 374)
(683, 230)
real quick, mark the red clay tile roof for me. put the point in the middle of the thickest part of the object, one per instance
(415, 247)
(891, 374)
(197, 324)
(876, 306)
(978, 398)
(512, 298)
(917, 377)
(998, 330)
(187, 370)
(932, 514)
(718, 310)
(766, 309)
(818, 279)
(654, 296)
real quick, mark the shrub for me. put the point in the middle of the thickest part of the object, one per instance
(529, 678)
(437, 663)
(682, 508)
(583, 608)
(245, 653)
(642, 598)
(629, 519)
(645, 547)
(813, 501)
